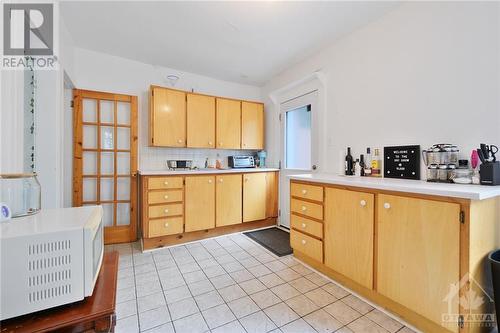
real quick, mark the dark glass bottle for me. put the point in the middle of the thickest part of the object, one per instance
(362, 164)
(349, 163)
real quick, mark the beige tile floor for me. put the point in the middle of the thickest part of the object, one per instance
(232, 284)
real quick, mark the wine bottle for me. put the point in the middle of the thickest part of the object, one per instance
(349, 163)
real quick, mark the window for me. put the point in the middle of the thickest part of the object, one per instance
(298, 138)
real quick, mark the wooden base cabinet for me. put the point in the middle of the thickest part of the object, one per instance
(418, 253)
(410, 253)
(349, 229)
(179, 209)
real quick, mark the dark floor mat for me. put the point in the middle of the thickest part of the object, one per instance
(275, 240)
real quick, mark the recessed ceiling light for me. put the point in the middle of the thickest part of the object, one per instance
(172, 79)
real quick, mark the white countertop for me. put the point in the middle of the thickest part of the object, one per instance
(473, 192)
(202, 171)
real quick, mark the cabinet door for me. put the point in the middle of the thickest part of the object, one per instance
(199, 203)
(254, 196)
(252, 125)
(200, 121)
(228, 200)
(167, 118)
(418, 253)
(228, 124)
(349, 223)
(272, 196)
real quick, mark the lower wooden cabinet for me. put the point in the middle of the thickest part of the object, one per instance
(418, 253)
(308, 245)
(228, 200)
(199, 203)
(254, 196)
(167, 226)
(349, 234)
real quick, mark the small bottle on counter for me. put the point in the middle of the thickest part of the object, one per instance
(357, 168)
(362, 164)
(368, 162)
(376, 163)
(349, 163)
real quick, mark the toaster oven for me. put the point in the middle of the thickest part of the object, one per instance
(241, 162)
(49, 259)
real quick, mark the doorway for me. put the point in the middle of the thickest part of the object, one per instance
(299, 144)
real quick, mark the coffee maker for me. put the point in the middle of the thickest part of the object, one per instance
(441, 160)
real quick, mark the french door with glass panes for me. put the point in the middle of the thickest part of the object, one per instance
(105, 159)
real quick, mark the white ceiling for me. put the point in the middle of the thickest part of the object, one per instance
(246, 42)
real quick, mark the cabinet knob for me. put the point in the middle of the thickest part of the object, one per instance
(303, 225)
(166, 225)
(304, 191)
(362, 203)
(303, 242)
(221, 180)
(209, 143)
(165, 196)
(387, 205)
(246, 179)
(179, 141)
(210, 181)
(166, 210)
(304, 208)
(220, 143)
(166, 183)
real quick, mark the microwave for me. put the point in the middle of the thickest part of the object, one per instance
(49, 259)
(241, 162)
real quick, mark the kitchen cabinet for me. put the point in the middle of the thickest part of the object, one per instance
(349, 226)
(200, 121)
(418, 253)
(272, 197)
(167, 117)
(199, 203)
(228, 200)
(228, 123)
(254, 196)
(252, 125)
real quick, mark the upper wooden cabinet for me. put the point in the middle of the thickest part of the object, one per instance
(200, 203)
(349, 234)
(184, 119)
(200, 121)
(418, 254)
(167, 117)
(228, 123)
(252, 125)
(254, 196)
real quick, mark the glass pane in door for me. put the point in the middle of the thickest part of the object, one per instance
(298, 138)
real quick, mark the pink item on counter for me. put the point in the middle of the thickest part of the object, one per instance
(474, 159)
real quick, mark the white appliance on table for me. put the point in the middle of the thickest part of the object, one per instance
(49, 259)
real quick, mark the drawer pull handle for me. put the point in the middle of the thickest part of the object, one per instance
(304, 192)
(362, 203)
(387, 205)
(165, 183)
(166, 210)
(304, 225)
(166, 225)
(165, 196)
(179, 141)
(304, 208)
(303, 242)
(210, 181)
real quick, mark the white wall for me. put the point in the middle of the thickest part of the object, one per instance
(102, 72)
(427, 72)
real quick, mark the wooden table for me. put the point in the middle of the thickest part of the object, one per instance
(93, 314)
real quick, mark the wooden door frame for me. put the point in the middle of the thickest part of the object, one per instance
(119, 234)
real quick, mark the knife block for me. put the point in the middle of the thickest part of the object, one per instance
(489, 173)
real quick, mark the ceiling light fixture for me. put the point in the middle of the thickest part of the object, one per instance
(172, 79)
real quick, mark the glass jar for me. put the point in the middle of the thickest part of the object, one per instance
(432, 173)
(443, 173)
(462, 176)
(21, 193)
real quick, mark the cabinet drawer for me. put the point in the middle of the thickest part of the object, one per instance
(164, 196)
(311, 247)
(163, 227)
(310, 192)
(307, 208)
(160, 183)
(165, 210)
(311, 227)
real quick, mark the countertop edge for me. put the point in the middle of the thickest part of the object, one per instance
(203, 172)
(460, 193)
